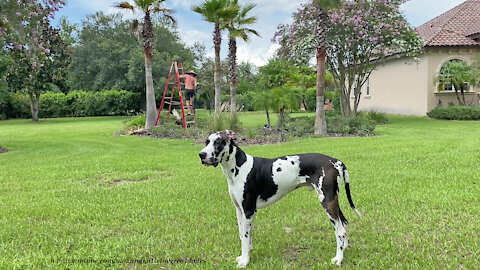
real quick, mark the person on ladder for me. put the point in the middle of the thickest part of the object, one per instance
(190, 84)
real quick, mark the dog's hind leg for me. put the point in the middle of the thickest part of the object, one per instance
(328, 196)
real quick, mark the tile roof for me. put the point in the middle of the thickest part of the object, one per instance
(454, 27)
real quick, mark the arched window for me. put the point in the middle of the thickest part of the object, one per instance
(451, 68)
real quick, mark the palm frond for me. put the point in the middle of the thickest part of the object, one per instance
(124, 5)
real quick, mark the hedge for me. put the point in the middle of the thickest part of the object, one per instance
(75, 103)
(456, 113)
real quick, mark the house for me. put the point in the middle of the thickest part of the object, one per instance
(403, 86)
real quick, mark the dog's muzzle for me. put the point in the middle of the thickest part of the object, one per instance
(207, 162)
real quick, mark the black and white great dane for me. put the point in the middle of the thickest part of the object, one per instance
(255, 183)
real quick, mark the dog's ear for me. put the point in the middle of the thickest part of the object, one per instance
(231, 135)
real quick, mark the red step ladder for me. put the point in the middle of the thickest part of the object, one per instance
(176, 66)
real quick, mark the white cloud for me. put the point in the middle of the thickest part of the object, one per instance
(272, 6)
(192, 36)
(256, 55)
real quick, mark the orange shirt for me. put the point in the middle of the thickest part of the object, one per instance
(190, 81)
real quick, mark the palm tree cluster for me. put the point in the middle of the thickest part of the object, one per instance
(458, 75)
(227, 15)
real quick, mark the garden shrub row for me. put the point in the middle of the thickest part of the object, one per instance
(361, 125)
(456, 113)
(75, 103)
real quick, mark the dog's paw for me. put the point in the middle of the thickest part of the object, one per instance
(251, 247)
(242, 261)
(337, 261)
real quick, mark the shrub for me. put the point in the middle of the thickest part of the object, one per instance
(20, 105)
(299, 126)
(456, 113)
(378, 117)
(75, 103)
(136, 122)
(52, 105)
(359, 126)
(5, 100)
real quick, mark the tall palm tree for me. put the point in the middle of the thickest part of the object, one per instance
(148, 8)
(218, 12)
(323, 6)
(236, 28)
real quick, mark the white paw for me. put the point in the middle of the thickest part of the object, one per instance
(251, 247)
(242, 261)
(337, 261)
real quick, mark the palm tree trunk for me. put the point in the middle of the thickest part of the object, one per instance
(150, 93)
(217, 41)
(232, 57)
(458, 97)
(147, 34)
(321, 42)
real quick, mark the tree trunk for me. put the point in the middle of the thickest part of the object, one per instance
(320, 121)
(147, 34)
(34, 99)
(268, 118)
(463, 97)
(458, 97)
(281, 115)
(217, 41)
(232, 57)
(150, 93)
(321, 44)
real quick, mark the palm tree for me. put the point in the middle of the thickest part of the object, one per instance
(459, 75)
(148, 8)
(236, 28)
(323, 7)
(263, 100)
(218, 12)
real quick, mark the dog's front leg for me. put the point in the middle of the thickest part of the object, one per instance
(244, 259)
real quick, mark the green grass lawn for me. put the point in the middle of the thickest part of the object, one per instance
(66, 193)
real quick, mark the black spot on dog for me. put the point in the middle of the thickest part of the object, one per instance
(283, 158)
(236, 171)
(228, 158)
(293, 163)
(230, 148)
(279, 169)
(240, 157)
(233, 170)
(259, 184)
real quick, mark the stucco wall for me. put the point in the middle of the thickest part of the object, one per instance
(401, 86)
(398, 87)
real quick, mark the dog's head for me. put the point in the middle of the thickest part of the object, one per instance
(216, 147)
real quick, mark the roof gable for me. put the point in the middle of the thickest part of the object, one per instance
(456, 27)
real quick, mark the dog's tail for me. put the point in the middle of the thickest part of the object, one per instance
(346, 179)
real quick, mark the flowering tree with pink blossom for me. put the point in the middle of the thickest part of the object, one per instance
(360, 35)
(26, 35)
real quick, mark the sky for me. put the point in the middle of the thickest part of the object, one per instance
(270, 14)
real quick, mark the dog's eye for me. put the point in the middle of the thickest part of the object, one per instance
(207, 142)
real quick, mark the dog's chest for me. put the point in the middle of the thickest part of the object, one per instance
(237, 177)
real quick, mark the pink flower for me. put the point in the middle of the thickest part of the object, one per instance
(46, 51)
(17, 46)
(34, 64)
(5, 21)
(18, 14)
